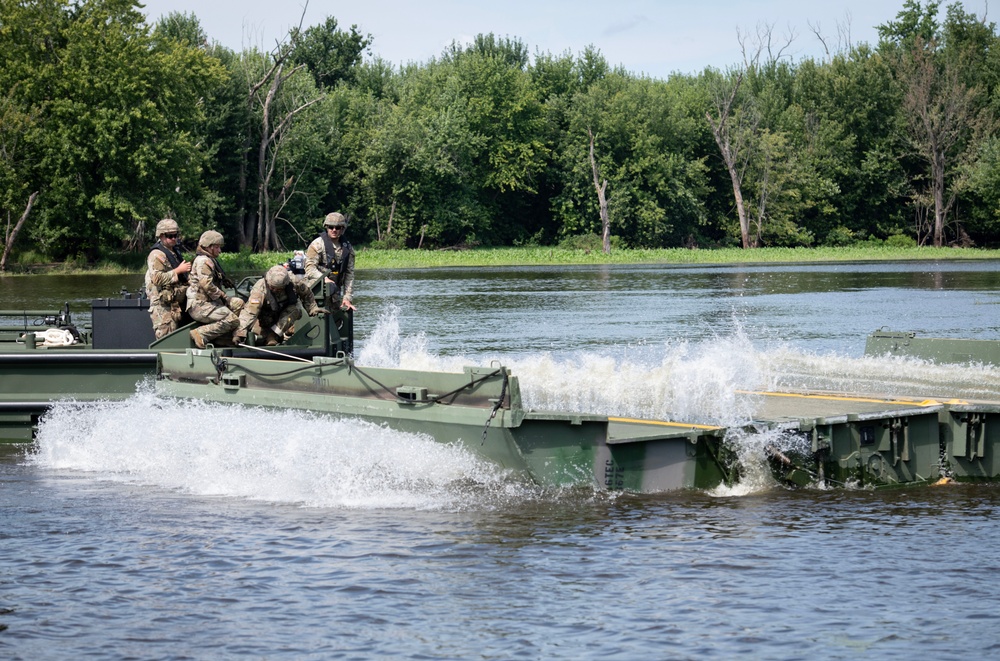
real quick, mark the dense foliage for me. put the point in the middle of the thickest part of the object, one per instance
(116, 123)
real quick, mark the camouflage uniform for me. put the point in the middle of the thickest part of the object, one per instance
(318, 266)
(207, 302)
(270, 314)
(167, 292)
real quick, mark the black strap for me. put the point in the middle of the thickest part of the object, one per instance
(174, 258)
(335, 267)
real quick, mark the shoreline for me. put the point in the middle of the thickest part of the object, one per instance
(541, 256)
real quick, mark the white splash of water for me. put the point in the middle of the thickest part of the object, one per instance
(276, 456)
(688, 383)
(700, 382)
(754, 449)
(386, 347)
(884, 375)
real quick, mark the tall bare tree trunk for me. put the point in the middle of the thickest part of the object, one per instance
(12, 235)
(940, 208)
(601, 199)
(723, 138)
(388, 225)
(260, 227)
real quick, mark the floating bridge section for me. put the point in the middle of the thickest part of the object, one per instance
(881, 442)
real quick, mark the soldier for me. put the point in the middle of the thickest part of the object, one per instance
(166, 279)
(273, 307)
(206, 300)
(330, 256)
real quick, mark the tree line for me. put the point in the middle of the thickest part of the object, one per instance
(108, 124)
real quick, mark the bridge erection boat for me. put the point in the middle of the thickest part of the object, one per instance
(812, 438)
(48, 355)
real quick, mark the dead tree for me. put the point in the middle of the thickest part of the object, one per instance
(737, 129)
(259, 226)
(11, 234)
(601, 186)
(731, 143)
(273, 136)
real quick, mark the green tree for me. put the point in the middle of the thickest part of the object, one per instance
(647, 145)
(944, 109)
(330, 54)
(116, 135)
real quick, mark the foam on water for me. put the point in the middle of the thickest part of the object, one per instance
(277, 456)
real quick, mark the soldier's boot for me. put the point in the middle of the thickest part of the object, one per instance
(271, 339)
(197, 338)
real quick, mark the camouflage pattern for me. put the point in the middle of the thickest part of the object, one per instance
(316, 269)
(333, 219)
(207, 302)
(167, 226)
(167, 294)
(270, 314)
(277, 277)
(210, 238)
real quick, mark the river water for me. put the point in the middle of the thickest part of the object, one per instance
(153, 529)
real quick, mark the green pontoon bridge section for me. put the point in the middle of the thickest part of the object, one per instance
(864, 441)
(971, 440)
(940, 350)
(861, 440)
(479, 409)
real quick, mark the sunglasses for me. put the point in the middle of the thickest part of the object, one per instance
(337, 227)
(170, 236)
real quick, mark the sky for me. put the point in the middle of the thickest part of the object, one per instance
(651, 37)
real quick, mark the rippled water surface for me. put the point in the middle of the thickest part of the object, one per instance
(153, 529)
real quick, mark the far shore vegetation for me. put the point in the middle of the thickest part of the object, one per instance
(375, 258)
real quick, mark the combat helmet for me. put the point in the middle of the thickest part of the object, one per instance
(277, 277)
(211, 238)
(335, 219)
(167, 226)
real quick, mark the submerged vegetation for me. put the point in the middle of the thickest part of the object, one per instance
(109, 124)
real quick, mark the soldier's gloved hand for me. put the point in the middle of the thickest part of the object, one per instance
(313, 311)
(239, 337)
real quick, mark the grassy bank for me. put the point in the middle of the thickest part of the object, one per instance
(385, 259)
(540, 256)
(547, 256)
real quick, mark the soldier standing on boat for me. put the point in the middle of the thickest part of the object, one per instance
(273, 307)
(207, 301)
(166, 279)
(331, 258)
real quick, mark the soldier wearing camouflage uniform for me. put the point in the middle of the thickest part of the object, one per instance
(273, 307)
(331, 258)
(207, 302)
(166, 279)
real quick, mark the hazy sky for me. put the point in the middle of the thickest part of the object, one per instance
(655, 37)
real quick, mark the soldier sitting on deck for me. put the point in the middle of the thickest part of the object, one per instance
(207, 301)
(273, 307)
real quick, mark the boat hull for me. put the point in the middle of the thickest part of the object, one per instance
(479, 409)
